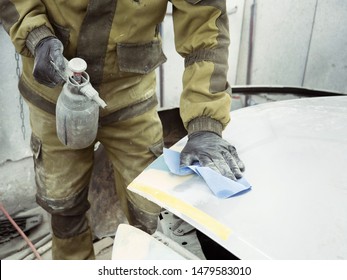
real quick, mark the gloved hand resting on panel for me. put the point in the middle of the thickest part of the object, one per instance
(211, 150)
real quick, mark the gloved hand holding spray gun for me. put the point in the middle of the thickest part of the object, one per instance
(77, 110)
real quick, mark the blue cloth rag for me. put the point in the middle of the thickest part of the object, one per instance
(221, 186)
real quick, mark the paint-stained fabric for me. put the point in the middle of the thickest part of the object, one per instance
(121, 43)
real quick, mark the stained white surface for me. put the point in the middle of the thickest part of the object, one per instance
(296, 160)
(131, 243)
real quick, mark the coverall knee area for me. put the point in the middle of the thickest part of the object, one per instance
(63, 175)
(139, 141)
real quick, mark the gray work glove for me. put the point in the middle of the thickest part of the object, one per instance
(49, 50)
(211, 150)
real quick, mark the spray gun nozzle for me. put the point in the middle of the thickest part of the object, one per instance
(77, 66)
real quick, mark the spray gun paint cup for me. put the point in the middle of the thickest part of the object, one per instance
(77, 110)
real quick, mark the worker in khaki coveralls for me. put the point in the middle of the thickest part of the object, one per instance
(121, 44)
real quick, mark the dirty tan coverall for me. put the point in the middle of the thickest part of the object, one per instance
(121, 44)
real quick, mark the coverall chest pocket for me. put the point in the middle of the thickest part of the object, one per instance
(140, 58)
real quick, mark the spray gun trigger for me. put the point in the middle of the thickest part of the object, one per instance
(64, 75)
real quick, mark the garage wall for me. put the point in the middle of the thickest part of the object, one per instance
(296, 43)
(13, 146)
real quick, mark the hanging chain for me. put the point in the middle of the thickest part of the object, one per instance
(16, 55)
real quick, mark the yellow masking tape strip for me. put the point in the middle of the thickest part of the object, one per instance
(192, 212)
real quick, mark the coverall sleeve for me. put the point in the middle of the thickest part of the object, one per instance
(202, 38)
(20, 18)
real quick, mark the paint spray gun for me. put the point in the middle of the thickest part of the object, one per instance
(77, 110)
